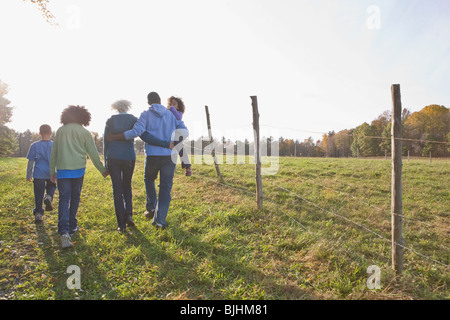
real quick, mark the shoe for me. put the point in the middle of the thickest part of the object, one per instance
(66, 242)
(149, 214)
(188, 172)
(48, 203)
(159, 226)
(124, 231)
(130, 222)
(38, 218)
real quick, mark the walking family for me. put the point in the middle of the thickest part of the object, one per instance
(61, 163)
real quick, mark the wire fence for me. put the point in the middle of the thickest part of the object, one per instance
(333, 213)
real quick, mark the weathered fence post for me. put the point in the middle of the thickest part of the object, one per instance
(396, 186)
(430, 156)
(259, 189)
(211, 140)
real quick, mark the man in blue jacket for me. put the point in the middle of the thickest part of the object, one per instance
(162, 125)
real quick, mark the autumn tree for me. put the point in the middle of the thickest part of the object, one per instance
(343, 142)
(430, 126)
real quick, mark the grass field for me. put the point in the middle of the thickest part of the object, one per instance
(325, 221)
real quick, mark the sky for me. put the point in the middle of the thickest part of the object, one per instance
(315, 65)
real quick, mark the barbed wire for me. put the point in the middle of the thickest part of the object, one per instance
(382, 210)
(332, 213)
(365, 228)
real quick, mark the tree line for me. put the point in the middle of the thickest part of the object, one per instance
(425, 131)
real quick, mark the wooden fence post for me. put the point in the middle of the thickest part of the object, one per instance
(211, 140)
(259, 188)
(396, 186)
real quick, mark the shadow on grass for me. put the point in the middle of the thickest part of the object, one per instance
(58, 260)
(211, 272)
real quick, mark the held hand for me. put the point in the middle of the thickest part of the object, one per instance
(29, 179)
(109, 137)
(172, 145)
(53, 178)
(105, 174)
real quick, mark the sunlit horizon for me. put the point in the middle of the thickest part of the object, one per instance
(315, 66)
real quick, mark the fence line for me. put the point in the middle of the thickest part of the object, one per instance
(365, 228)
(326, 211)
(382, 210)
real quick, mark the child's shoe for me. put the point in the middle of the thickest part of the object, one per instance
(48, 203)
(66, 242)
(188, 172)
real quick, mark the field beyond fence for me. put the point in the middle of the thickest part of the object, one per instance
(325, 222)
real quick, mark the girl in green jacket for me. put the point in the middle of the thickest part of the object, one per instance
(68, 165)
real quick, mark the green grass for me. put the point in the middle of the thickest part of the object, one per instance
(219, 246)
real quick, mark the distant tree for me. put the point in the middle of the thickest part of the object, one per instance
(364, 141)
(139, 146)
(8, 142)
(25, 139)
(430, 123)
(448, 140)
(6, 111)
(381, 122)
(385, 144)
(98, 140)
(343, 141)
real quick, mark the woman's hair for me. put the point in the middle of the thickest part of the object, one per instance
(181, 106)
(121, 106)
(76, 114)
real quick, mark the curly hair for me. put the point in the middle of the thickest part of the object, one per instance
(181, 106)
(76, 114)
(121, 105)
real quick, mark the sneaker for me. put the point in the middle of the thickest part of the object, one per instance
(38, 217)
(188, 172)
(159, 226)
(149, 214)
(66, 242)
(48, 203)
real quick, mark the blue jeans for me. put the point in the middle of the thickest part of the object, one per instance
(42, 186)
(166, 168)
(121, 172)
(69, 199)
